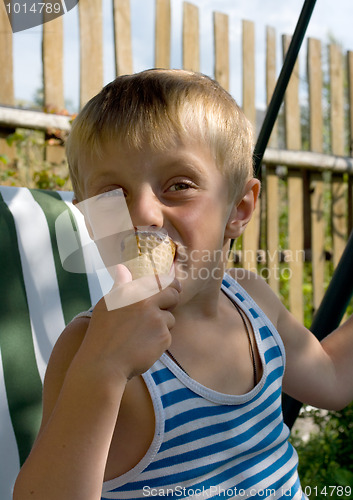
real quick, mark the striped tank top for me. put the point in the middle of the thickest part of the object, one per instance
(213, 445)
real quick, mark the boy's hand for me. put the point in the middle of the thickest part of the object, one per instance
(128, 340)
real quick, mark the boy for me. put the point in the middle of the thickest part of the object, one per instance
(179, 394)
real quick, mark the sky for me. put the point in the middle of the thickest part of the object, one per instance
(329, 18)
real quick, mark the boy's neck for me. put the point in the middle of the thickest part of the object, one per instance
(206, 305)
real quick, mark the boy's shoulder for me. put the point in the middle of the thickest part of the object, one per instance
(259, 291)
(70, 341)
(71, 338)
(240, 273)
(248, 279)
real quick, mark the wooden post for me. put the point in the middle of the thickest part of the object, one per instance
(295, 194)
(271, 76)
(7, 97)
(52, 50)
(53, 84)
(221, 47)
(291, 105)
(317, 237)
(91, 49)
(191, 37)
(249, 71)
(271, 192)
(337, 85)
(250, 243)
(122, 34)
(339, 186)
(314, 70)
(163, 30)
(295, 238)
(6, 64)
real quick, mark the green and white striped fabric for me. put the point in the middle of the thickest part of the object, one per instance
(37, 299)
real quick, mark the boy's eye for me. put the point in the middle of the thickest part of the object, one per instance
(180, 186)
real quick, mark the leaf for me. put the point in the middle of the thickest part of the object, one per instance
(344, 477)
(15, 137)
(4, 159)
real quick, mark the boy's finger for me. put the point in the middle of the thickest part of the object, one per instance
(169, 299)
(122, 275)
(176, 284)
(128, 291)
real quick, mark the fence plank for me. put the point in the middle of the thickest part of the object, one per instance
(221, 48)
(272, 229)
(317, 237)
(272, 185)
(249, 71)
(339, 222)
(291, 105)
(314, 70)
(271, 76)
(296, 242)
(295, 192)
(53, 84)
(191, 37)
(6, 62)
(162, 34)
(339, 187)
(337, 98)
(91, 49)
(6, 78)
(122, 34)
(53, 43)
(251, 236)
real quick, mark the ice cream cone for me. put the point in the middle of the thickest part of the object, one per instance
(154, 254)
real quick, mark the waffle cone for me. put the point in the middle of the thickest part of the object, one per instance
(154, 255)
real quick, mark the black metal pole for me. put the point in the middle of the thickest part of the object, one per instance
(282, 83)
(337, 297)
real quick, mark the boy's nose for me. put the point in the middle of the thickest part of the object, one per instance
(146, 210)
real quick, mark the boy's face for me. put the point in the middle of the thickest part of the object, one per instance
(181, 190)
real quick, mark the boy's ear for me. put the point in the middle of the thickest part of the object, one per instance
(242, 211)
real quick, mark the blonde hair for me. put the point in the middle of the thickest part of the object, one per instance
(158, 107)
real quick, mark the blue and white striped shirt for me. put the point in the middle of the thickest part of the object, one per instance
(213, 445)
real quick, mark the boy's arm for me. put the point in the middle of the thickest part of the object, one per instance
(79, 413)
(84, 385)
(317, 373)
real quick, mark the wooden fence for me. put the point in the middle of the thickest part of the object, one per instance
(301, 225)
